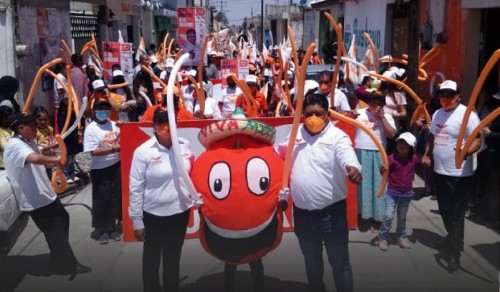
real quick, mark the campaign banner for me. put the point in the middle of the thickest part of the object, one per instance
(118, 53)
(238, 67)
(191, 31)
(134, 134)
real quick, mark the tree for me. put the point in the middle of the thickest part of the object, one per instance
(221, 17)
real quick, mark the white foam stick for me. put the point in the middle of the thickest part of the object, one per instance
(78, 118)
(193, 195)
(146, 98)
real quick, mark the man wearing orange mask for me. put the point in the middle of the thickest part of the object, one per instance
(323, 157)
(260, 99)
(340, 102)
(452, 184)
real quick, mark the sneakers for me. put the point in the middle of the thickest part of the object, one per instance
(69, 181)
(103, 238)
(115, 236)
(382, 244)
(403, 242)
(76, 179)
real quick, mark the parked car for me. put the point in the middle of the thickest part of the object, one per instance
(12, 220)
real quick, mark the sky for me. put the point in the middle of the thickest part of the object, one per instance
(236, 10)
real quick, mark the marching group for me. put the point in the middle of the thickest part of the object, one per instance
(319, 167)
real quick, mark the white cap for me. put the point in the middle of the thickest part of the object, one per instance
(191, 72)
(153, 58)
(251, 79)
(7, 103)
(497, 95)
(398, 71)
(213, 53)
(308, 85)
(118, 73)
(169, 63)
(98, 84)
(389, 74)
(408, 138)
(448, 84)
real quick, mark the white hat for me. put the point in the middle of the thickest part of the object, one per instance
(497, 95)
(408, 138)
(117, 73)
(213, 53)
(251, 79)
(169, 63)
(389, 74)
(7, 103)
(398, 71)
(153, 58)
(448, 84)
(98, 84)
(191, 72)
(308, 85)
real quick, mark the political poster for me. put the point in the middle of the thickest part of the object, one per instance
(114, 53)
(238, 67)
(191, 31)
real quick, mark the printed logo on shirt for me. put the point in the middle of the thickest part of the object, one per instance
(370, 124)
(441, 138)
(109, 138)
(156, 160)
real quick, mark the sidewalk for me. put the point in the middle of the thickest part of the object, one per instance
(117, 266)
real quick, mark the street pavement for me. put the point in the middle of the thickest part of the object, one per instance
(117, 265)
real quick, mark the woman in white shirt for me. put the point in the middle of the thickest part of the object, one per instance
(159, 207)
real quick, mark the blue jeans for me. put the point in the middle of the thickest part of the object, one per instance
(69, 169)
(327, 226)
(400, 206)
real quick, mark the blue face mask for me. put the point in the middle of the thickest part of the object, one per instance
(102, 115)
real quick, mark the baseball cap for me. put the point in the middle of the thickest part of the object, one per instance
(497, 95)
(408, 138)
(251, 79)
(98, 85)
(449, 85)
(7, 103)
(20, 119)
(118, 73)
(169, 63)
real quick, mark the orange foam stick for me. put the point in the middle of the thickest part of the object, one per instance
(116, 86)
(86, 47)
(36, 81)
(58, 180)
(248, 99)
(420, 104)
(70, 100)
(200, 91)
(459, 151)
(170, 47)
(96, 54)
(430, 55)
(373, 49)
(489, 118)
(56, 78)
(340, 48)
(301, 77)
(66, 49)
(277, 84)
(381, 149)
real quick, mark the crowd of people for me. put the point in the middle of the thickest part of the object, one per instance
(157, 201)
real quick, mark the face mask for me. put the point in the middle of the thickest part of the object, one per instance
(314, 124)
(102, 115)
(448, 103)
(324, 88)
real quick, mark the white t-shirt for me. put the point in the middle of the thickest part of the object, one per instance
(318, 174)
(340, 100)
(362, 140)
(155, 183)
(189, 100)
(29, 181)
(101, 136)
(445, 127)
(211, 108)
(228, 100)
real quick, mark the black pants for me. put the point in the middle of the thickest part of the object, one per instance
(452, 197)
(257, 269)
(53, 221)
(164, 240)
(106, 197)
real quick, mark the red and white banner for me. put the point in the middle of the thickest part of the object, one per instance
(238, 67)
(134, 134)
(118, 53)
(191, 31)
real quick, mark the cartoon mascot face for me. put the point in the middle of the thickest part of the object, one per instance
(239, 177)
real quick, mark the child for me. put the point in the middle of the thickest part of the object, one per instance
(399, 190)
(73, 145)
(44, 133)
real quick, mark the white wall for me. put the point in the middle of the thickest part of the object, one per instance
(366, 16)
(7, 44)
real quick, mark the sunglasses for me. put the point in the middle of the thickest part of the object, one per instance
(324, 82)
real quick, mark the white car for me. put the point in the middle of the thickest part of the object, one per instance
(12, 220)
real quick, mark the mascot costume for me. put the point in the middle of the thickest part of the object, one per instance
(239, 178)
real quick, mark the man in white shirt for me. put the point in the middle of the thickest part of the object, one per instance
(340, 102)
(452, 184)
(323, 157)
(228, 98)
(25, 168)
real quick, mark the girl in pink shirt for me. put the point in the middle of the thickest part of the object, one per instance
(399, 190)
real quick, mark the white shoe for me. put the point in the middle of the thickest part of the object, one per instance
(69, 181)
(76, 179)
(382, 244)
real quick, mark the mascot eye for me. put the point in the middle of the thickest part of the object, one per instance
(258, 176)
(219, 180)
